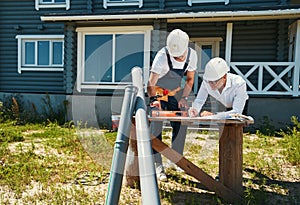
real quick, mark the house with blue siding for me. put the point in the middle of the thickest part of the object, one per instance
(80, 53)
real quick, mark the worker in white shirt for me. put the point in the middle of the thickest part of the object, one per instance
(174, 63)
(227, 88)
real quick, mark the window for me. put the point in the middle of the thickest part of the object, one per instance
(107, 3)
(190, 2)
(40, 53)
(52, 4)
(206, 49)
(107, 55)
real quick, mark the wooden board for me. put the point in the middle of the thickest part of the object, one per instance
(191, 169)
(200, 120)
(231, 157)
(162, 113)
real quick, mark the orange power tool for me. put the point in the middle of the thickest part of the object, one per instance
(160, 113)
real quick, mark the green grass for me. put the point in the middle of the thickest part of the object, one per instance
(273, 166)
(291, 143)
(49, 155)
(62, 164)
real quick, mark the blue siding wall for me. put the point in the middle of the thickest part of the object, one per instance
(256, 41)
(21, 18)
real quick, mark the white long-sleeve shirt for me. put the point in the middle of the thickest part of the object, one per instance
(234, 95)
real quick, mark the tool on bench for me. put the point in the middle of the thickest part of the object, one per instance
(163, 113)
(162, 93)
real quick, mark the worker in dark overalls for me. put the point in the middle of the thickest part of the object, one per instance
(168, 90)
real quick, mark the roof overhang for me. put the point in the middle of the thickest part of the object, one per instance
(186, 17)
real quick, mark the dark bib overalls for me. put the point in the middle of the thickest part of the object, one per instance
(171, 80)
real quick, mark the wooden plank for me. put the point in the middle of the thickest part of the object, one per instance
(192, 170)
(201, 120)
(231, 157)
(132, 176)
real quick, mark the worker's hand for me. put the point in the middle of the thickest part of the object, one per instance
(193, 112)
(182, 103)
(155, 104)
(205, 113)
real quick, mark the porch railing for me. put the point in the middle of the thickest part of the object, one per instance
(269, 78)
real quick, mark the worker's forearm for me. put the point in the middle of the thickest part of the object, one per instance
(187, 88)
(151, 84)
(151, 90)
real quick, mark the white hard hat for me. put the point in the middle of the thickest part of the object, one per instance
(215, 69)
(177, 42)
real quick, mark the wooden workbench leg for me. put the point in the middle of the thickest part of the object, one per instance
(132, 178)
(231, 157)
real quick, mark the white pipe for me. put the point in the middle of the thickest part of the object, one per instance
(149, 186)
(287, 13)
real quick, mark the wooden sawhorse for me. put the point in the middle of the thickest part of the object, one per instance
(230, 186)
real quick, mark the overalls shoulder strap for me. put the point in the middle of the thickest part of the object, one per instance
(186, 61)
(169, 59)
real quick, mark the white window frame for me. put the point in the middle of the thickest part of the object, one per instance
(294, 45)
(81, 32)
(40, 4)
(214, 42)
(190, 2)
(107, 3)
(35, 38)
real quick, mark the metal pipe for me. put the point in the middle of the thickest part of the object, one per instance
(149, 187)
(121, 146)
